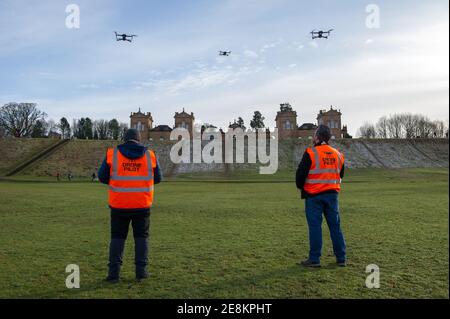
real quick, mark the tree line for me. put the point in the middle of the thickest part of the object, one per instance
(26, 120)
(404, 126)
(256, 122)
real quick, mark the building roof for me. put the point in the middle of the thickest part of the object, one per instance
(330, 111)
(161, 128)
(184, 114)
(308, 126)
(140, 114)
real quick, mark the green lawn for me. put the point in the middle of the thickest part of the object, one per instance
(234, 237)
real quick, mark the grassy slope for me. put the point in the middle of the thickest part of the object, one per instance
(231, 239)
(16, 150)
(80, 157)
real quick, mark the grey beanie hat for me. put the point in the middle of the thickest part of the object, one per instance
(132, 135)
(323, 133)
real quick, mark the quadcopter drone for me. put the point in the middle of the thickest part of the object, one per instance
(320, 34)
(224, 53)
(124, 37)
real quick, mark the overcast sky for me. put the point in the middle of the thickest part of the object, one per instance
(173, 63)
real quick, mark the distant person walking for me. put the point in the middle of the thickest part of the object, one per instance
(131, 171)
(58, 176)
(319, 177)
(69, 177)
(93, 177)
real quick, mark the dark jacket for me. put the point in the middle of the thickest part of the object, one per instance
(302, 174)
(130, 150)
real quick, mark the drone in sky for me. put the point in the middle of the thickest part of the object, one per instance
(125, 37)
(320, 34)
(224, 53)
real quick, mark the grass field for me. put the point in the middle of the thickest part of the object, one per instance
(235, 237)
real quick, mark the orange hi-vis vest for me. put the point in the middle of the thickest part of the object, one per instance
(325, 172)
(131, 180)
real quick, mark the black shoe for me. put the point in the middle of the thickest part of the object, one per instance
(112, 280)
(309, 263)
(341, 263)
(142, 276)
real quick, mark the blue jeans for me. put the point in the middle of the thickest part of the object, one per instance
(316, 206)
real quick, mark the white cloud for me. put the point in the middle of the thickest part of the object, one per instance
(89, 86)
(250, 54)
(268, 46)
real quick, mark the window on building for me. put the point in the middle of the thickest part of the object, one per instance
(287, 125)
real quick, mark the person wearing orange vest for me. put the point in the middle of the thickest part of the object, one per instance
(131, 171)
(319, 176)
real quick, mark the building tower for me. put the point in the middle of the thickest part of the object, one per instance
(185, 120)
(142, 122)
(286, 121)
(332, 119)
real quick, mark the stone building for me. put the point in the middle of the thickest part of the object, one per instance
(332, 119)
(286, 122)
(160, 133)
(185, 120)
(142, 122)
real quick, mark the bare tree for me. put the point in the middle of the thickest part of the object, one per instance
(395, 127)
(382, 127)
(425, 127)
(368, 130)
(439, 129)
(409, 124)
(18, 119)
(52, 128)
(102, 129)
(123, 127)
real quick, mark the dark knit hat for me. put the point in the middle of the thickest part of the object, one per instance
(323, 133)
(132, 135)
